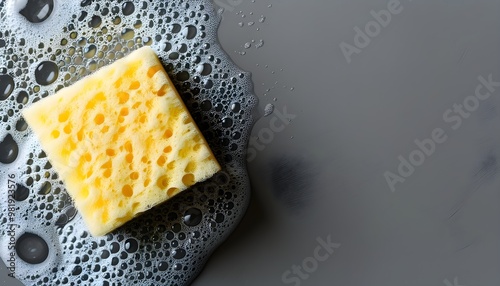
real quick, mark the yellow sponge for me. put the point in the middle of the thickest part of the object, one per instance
(121, 140)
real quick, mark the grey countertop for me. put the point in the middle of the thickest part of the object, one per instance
(379, 164)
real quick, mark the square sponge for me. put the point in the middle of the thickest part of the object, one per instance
(121, 140)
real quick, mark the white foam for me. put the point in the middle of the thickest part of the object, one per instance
(33, 215)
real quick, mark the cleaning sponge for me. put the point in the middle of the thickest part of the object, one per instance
(121, 140)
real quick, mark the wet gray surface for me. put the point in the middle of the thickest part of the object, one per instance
(323, 212)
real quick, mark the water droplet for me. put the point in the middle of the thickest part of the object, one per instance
(236, 107)
(128, 8)
(250, 23)
(71, 213)
(21, 193)
(115, 247)
(46, 73)
(45, 189)
(227, 122)
(204, 69)
(193, 217)
(189, 32)
(241, 24)
(219, 218)
(127, 34)
(260, 44)
(262, 19)
(163, 266)
(247, 45)
(179, 253)
(206, 105)
(22, 97)
(21, 125)
(77, 270)
(37, 11)
(131, 245)
(269, 109)
(95, 22)
(6, 86)
(62, 220)
(8, 150)
(90, 51)
(32, 248)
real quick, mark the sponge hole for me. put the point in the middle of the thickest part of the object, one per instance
(134, 176)
(188, 180)
(135, 85)
(168, 133)
(107, 173)
(123, 97)
(153, 70)
(129, 158)
(110, 152)
(172, 192)
(161, 161)
(127, 191)
(87, 157)
(63, 117)
(128, 146)
(163, 90)
(99, 119)
(190, 168)
(171, 165)
(167, 149)
(163, 182)
(55, 134)
(67, 129)
(124, 111)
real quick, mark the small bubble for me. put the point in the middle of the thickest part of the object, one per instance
(227, 122)
(179, 253)
(6, 86)
(8, 150)
(46, 73)
(32, 248)
(192, 217)
(131, 245)
(128, 8)
(21, 193)
(127, 34)
(163, 266)
(37, 11)
(90, 51)
(269, 109)
(95, 22)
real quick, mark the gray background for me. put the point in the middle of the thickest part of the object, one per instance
(323, 175)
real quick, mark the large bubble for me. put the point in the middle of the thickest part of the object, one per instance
(47, 45)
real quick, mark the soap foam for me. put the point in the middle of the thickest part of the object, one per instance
(169, 244)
